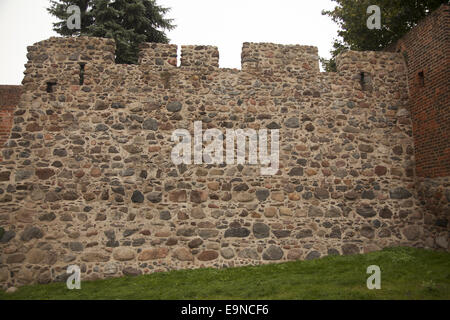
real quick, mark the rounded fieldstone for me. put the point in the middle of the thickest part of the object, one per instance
(195, 243)
(366, 211)
(385, 213)
(273, 126)
(183, 254)
(321, 193)
(165, 215)
(31, 233)
(124, 254)
(150, 124)
(7, 236)
(400, 193)
(333, 252)
(295, 254)
(281, 233)
(312, 255)
(186, 232)
(237, 233)
(314, 211)
(296, 172)
(227, 253)
(273, 253)
(261, 230)
(208, 233)
(132, 272)
(349, 249)
(208, 255)
(304, 233)
(412, 233)
(262, 194)
(137, 197)
(154, 197)
(248, 253)
(368, 232)
(292, 123)
(76, 246)
(174, 106)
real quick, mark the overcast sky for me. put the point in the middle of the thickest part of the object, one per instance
(224, 23)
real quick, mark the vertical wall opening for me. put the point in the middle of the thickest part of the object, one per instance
(365, 80)
(82, 65)
(50, 85)
(421, 78)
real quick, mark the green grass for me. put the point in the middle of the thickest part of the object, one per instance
(406, 273)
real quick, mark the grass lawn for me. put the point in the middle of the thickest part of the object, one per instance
(406, 273)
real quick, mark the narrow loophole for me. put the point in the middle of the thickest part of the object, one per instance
(50, 85)
(82, 65)
(421, 77)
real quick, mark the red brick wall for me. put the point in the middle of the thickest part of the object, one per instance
(426, 49)
(9, 98)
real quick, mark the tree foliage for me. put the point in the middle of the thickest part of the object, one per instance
(128, 22)
(397, 18)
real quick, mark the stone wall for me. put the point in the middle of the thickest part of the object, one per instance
(87, 177)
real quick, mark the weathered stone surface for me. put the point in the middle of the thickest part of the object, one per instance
(44, 174)
(199, 196)
(195, 243)
(261, 230)
(131, 272)
(262, 194)
(412, 233)
(312, 255)
(248, 253)
(237, 233)
(124, 254)
(227, 253)
(15, 258)
(94, 256)
(186, 232)
(349, 249)
(208, 255)
(198, 213)
(366, 211)
(150, 124)
(273, 253)
(153, 254)
(400, 193)
(295, 254)
(174, 106)
(367, 232)
(36, 256)
(31, 233)
(154, 197)
(315, 212)
(137, 197)
(183, 254)
(208, 233)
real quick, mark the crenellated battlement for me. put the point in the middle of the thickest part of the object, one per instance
(65, 54)
(272, 57)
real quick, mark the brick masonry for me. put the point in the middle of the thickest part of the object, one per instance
(87, 177)
(9, 99)
(426, 50)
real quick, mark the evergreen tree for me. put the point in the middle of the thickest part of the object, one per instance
(128, 22)
(397, 18)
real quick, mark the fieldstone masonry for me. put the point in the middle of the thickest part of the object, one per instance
(87, 177)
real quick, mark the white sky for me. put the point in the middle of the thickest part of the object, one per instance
(224, 23)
